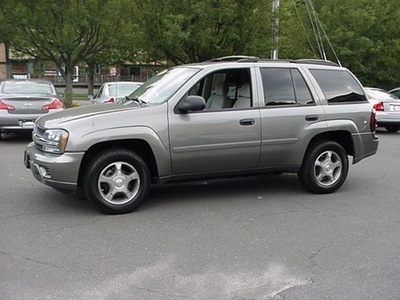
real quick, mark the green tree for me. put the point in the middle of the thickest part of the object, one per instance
(366, 36)
(180, 31)
(64, 32)
(296, 38)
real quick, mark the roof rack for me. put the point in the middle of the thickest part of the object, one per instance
(317, 62)
(244, 58)
(236, 58)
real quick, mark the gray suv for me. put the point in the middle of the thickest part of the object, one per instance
(226, 117)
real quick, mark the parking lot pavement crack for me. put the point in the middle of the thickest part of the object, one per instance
(295, 284)
(308, 208)
(30, 214)
(313, 264)
(160, 293)
(190, 221)
(277, 295)
(39, 262)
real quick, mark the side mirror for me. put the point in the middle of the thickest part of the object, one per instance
(61, 95)
(191, 103)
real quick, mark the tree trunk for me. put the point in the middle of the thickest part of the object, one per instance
(90, 78)
(68, 77)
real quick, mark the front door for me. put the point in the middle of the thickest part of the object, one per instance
(219, 138)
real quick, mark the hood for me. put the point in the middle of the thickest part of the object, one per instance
(62, 118)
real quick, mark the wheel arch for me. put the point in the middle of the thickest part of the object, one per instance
(342, 137)
(140, 147)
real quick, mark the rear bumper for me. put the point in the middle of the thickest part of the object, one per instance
(384, 118)
(365, 144)
(14, 122)
(58, 171)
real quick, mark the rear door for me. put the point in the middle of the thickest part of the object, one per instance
(290, 117)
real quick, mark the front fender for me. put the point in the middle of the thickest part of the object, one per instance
(158, 143)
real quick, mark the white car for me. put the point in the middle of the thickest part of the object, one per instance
(114, 92)
(387, 108)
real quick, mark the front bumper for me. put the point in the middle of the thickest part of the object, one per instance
(58, 171)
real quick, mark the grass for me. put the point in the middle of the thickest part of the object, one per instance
(79, 97)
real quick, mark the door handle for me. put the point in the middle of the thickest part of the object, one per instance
(312, 118)
(246, 122)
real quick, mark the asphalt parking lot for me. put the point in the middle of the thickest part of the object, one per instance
(259, 237)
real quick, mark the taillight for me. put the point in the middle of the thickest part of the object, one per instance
(372, 121)
(6, 106)
(55, 104)
(379, 106)
(111, 100)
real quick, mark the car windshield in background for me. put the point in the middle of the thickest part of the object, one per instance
(26, 88)
(162, 86)
(122, 89)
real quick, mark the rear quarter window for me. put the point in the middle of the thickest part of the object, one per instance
(339, 86)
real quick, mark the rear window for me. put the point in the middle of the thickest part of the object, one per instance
(26, 88)
(284, 86)
(339, 86)
(380, 95)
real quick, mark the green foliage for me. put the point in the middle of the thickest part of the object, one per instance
(65, 32)
(190, 31)
(365, 34)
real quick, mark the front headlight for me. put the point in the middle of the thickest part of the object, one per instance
(54, 140)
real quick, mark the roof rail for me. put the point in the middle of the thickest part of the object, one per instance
(236, 58)
(245, 58)
(316, 62)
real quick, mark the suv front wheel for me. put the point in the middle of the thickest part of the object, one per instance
(324, 168)
(117, 181)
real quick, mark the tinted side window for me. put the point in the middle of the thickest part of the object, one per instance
(338, 86)
(283, 86)
(303, 94)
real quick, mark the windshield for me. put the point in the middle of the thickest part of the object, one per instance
(122, 89)
(162, 86)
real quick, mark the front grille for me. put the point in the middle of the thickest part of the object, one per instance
(37, 136)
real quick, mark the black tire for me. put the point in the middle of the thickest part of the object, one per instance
(392, 128)
(325, 167)
(117, 181)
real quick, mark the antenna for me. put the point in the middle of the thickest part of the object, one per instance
(318, 28)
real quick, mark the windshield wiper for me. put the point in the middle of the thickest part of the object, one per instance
(136, 100)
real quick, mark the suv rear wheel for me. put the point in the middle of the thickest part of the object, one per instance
(117, 181)
(324, 168)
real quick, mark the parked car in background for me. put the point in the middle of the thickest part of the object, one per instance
(114, 92)
(387, 108)
(395, 92)
(23, 101)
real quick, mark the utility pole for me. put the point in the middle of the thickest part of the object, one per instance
(275, 29)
